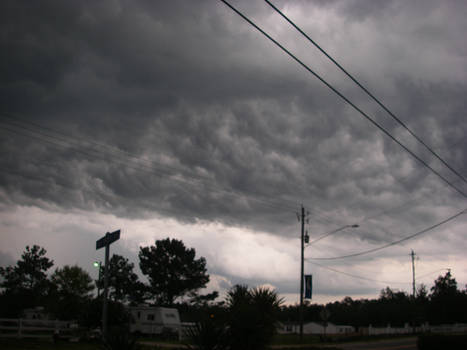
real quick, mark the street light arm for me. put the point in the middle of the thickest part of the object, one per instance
(332, 232)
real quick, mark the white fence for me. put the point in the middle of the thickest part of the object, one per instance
(27, 328)
(448, 328)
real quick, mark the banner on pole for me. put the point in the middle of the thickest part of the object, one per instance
(308, 286)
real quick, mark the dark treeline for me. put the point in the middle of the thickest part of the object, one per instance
(445, 303)
(69, 293)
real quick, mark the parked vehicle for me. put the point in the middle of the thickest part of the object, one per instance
(155, 321)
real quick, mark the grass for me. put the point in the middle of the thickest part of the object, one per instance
(44, 344)
(294, 339)
(47, 344)
(280, 340)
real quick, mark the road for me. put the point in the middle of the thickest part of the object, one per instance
(388, 344)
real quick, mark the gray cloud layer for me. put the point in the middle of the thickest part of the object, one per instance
(225, 127)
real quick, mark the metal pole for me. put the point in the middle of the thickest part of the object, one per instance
(301, 273)
(106, 285)
(413, 273)
(99, 277)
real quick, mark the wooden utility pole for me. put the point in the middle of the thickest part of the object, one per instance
(413, 273)
(302, 217)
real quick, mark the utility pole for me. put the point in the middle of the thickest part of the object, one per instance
(301, 272)
(412, 254)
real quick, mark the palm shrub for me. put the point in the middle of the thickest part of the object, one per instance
(252, 317)
(208, 334)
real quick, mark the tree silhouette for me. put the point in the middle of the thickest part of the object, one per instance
(72, 281)
(445, 287)
(252, 317)
(71, 288)
(25, 284)
(124, 285)
(446, 301)
(29, 274)
(172, 270)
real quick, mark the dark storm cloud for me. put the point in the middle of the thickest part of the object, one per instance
(223, 125)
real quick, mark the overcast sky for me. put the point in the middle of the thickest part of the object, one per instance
(179, 119)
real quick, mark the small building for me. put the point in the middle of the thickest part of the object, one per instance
(155, 320)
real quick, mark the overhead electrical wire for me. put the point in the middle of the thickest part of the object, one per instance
(337, 92)
(124, 158)
(101, 151)
(430, 273)
(395, 242)
(398, 120)
(141, 167)
(324, 235)
(355, 276)
(394, 209)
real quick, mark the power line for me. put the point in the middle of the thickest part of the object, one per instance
(102, 151)
(337, 92)
(430, 273)
(127, 159)
(354, 276)
(160, 169)
(331, 232)
(395, 242)
(368, 93)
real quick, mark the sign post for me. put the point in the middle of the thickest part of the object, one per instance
(106, 241)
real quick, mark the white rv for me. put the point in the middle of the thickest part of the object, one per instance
(154, 320)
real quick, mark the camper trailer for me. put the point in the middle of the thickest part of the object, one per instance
(155, 320)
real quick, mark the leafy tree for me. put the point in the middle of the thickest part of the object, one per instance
(446, 301)
(394, 306)
(172, 270)
(422, 293)
(72, 281)
(124, 285)
(445, 287)
(29, 274)
(25, 284)
(202, 300)
(71, 292)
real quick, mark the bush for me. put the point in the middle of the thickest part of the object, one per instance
(208, 334)
(252, 317)
(118, 338)
(248, 323)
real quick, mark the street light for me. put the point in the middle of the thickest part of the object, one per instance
(305, 239)
(98, 264)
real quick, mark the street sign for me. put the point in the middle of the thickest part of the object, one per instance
(107, 239)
